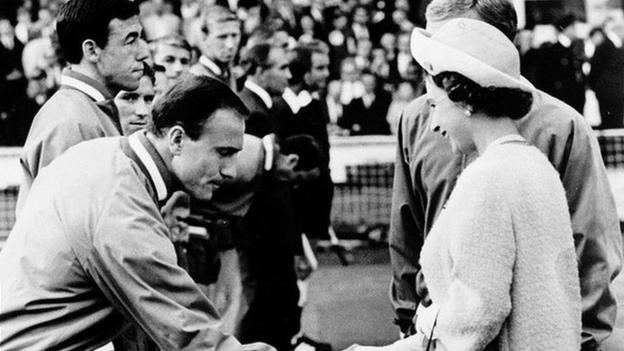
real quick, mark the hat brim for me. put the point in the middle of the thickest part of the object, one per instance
(436, 57)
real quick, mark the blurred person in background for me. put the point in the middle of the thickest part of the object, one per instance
(308, 29)
(360, 24)
(606, 79)
(366, 115)
(220, 40)
(24, 25)
(362, 55)
(334, 108)
(12, 80)
(340, 46)
(267, 73)
(159, 20)
(404, 94)
(419, 193)
(402, 66)
(174, 54)
(351, 84)
(102, 43)
(379, 64)
(253, 14)
(559, 71)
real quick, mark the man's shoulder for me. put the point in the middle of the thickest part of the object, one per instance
(553, 116)
(68, 104)
(67, 111)
(414, 118)
(201, 70)
(252, 101)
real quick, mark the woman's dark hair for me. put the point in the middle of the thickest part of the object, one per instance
(79, 20)
(190, 103)
(492, 101)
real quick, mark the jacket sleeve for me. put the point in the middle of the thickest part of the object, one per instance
(406, 237)
(133, 263)
(482, 258)
(595, 224)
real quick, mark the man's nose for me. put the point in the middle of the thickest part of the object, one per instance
(142, 108)
(229, 42)
(143, 52)
(228, 170)
(178, 67)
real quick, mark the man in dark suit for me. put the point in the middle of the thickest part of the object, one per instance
(12, 85)
(366, 115)
(558, 70)
(267, 239)
(606, 78)
(267, 75)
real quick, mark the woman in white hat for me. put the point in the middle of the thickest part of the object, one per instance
(499, 261)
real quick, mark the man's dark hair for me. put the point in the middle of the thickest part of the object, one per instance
(300, 64)
(256, 57)
(190, 103)
(304, 146)
(493, 101)
(79, 20)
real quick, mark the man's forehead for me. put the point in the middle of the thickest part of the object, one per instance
(119, 26)
(319, 58)
(221, 28)
(168, 49)
(277, 56)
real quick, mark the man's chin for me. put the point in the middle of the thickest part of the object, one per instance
(203, 195)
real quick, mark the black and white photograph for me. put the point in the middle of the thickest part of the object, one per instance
(311, 175)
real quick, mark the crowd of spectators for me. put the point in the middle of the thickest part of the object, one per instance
(372, 73)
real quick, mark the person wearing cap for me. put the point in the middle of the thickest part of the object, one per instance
(426, 171)
(499, 261)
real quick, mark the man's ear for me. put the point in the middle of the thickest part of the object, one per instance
(175, 139)
(91, 51)
(292, 160)
(306, 78)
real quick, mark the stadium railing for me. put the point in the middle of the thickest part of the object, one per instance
(362, 169)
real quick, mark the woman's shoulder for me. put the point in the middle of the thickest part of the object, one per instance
(509, 163)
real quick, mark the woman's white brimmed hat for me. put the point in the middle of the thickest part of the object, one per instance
(473, 48)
